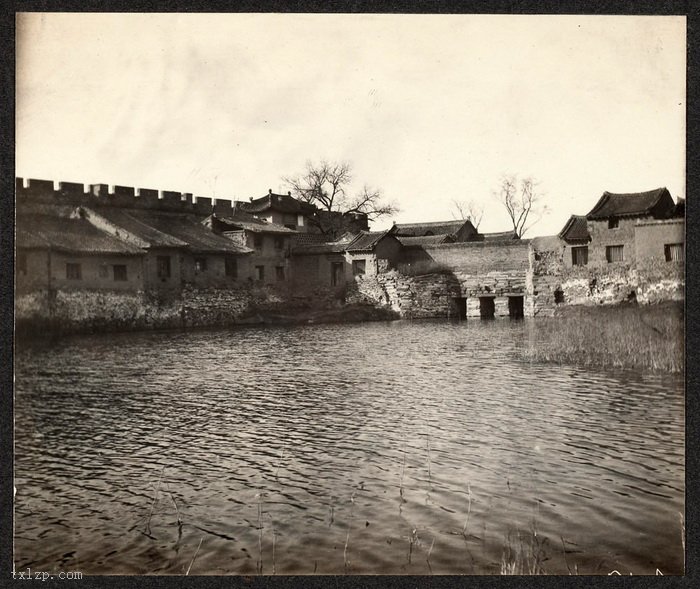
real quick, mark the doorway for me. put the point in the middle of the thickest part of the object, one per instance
(487, 307)
(461, 306)
(516, 307)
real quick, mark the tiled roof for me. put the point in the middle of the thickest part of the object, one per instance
(631, 204)
(171, 229)
(366, 241)
(426, 239)
(283, 203)
(66, 234)
(433, 228)
(576, 229)
(250, 223)
(331, 247)
(498, 236)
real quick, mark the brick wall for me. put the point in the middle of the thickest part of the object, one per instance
(602, 236)
(651, 237)
(473, 258)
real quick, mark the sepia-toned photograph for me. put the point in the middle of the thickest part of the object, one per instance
(349, 294)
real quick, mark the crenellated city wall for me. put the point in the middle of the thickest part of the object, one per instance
(32, 190)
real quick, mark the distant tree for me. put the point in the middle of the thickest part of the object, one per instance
(468, 211)
(522, 202)
(327, 186)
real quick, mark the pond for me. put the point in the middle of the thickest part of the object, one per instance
(377, 448)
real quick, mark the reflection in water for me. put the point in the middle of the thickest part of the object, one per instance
(401, 448)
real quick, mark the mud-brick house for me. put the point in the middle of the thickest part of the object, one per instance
(269, 243)
(320, 264)
(56, 249)
(351, 257)
(179, 249)
(612, 224)
(304, 217)
(282, 209)
(574, 241)
(444, 231)
(373, 252)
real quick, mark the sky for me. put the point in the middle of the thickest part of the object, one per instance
(428, 108)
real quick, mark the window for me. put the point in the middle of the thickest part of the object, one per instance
(22, 263)
(674, 252)
(73, 272)
(358, 267)
(163, 267)
(257, 241)
(579, 255)
(260, 272)
(279, 243)
(336, 273)
(119, 272)
(279, 272)
(103, 271)
(613, 223)
(200, 265)
(614, 253)
(231, 267)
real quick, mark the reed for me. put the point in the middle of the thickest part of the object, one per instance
(525, 556)
(195, 556)
(259, 497)
(647, 337)
(347, 537)
(147, 529)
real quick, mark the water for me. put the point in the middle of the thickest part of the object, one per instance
(398, 448)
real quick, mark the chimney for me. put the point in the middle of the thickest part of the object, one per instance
(289, 193)
(269, 190)
(251, 199)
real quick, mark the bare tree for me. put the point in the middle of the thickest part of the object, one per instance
(326, 185)
(468, 211)
(522, 201)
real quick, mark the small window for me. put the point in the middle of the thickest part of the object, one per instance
(674, 252)
(614, 253)
(260, 272)
(613, 223)
(163, 267)
(279, 272)
(231, 267)
(579, 256)
(103, 271)
(358, 267)
(22, 263)
(336, 273)
(200, 265)
(73, 272)
(279, 243)
(257, 241)
(119, 272)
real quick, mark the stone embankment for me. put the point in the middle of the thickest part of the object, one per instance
(85, 311)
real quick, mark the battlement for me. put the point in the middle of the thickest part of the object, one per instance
(48, 191)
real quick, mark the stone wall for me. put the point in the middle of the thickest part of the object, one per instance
(430, 295)
(649, 279)
(84, 311)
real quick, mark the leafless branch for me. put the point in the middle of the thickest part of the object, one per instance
(469, 211)
(522, 201)
(326, 185)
